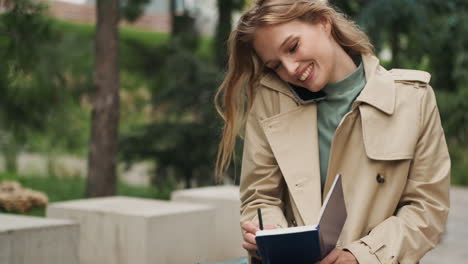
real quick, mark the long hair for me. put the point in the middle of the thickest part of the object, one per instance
(235, 95)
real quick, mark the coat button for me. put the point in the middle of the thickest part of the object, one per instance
(380, 178)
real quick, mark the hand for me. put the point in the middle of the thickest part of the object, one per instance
(339, 256)
(250, 228)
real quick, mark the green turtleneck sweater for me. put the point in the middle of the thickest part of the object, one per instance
(339, 98)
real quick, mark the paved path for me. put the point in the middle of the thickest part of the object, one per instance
(454, 245)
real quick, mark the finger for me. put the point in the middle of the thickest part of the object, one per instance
(254, 254)
(250, 227)
(249, 247)
(250, 238)
(347, 257)
(331, 257)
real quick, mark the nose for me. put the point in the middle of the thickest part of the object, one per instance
(290, 65)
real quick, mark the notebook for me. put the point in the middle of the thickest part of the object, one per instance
(306, 244)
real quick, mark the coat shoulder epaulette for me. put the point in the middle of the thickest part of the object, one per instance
(411, 77)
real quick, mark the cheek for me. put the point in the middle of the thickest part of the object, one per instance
(284, 76)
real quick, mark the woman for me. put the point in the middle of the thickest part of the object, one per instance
(304, 85)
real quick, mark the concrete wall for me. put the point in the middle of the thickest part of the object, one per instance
(128, 230)
(34, 240)
(225, 199)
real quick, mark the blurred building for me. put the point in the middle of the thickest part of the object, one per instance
(156, 16)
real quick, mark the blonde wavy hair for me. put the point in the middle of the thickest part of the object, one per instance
(235, 95)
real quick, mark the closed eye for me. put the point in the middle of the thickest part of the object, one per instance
(293, 48)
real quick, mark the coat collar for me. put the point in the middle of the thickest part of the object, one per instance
(379, 91)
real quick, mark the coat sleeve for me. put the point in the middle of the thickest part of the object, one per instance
(261, 182)
(422, 211)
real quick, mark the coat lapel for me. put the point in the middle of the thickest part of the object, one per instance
(294, 141)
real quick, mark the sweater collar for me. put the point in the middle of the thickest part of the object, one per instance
(348, 84)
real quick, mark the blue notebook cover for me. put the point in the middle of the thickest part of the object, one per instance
(306, 244)
(301, 247)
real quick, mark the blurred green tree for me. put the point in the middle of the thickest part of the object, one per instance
(31, 83)
(397, 25)
(351, 8)
(182, 138)
(132, 9)
(183, 31)
(182, 141)
(448, 54)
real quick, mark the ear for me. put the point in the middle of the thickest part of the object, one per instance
(326, 25)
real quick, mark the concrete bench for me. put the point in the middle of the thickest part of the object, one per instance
(128, 230)
(228, 240)
(25, 240)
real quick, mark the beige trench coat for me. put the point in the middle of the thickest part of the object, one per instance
(390, 149)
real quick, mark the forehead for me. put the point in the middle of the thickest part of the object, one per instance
(268, 39)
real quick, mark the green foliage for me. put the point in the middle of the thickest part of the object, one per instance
(447, 47)
(459, 158)
(70, 56)
(132, 9)
(33, 86)
(453, 108)
(398, 24)
(350, 8)
(30, 81)
(184, 139)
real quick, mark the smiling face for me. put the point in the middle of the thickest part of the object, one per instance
(302, 54)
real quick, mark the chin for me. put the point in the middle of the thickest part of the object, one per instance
(314, 88)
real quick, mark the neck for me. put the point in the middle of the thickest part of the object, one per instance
(344, 66)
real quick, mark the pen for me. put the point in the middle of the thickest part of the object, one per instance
(260, 221)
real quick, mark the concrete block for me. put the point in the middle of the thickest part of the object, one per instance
(225, 199)
(125, 230)
(35, 240)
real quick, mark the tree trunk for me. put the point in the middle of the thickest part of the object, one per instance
(172, 11)
(223, 30)
(102, 160)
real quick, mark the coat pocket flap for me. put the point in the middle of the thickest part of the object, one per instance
(388, 137)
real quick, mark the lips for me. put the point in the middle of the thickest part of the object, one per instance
(307, 73)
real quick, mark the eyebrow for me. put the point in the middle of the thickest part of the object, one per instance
(282, 44)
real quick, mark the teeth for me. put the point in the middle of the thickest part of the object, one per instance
(306, 73)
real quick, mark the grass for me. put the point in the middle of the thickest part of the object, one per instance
(127, 34)
(89, 30)
(63, 189)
